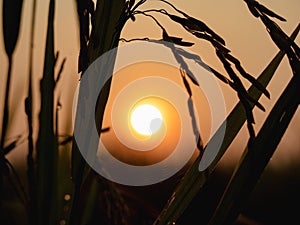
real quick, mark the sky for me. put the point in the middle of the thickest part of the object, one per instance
(245, 36)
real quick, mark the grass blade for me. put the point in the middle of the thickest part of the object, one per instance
(194, 180)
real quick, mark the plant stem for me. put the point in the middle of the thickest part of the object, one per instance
(28, 109)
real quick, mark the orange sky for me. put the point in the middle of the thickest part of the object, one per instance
(244, 35)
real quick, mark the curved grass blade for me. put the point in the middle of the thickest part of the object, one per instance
(194, 180)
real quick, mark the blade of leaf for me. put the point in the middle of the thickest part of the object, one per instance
(194, 180)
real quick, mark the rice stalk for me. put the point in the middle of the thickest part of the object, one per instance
(31, 176)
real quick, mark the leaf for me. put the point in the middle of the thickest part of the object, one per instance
(196, 177)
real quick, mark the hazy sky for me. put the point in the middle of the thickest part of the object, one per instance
(244, 35)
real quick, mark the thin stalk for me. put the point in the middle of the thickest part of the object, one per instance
(28, 109)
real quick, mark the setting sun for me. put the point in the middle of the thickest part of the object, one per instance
(146, 119)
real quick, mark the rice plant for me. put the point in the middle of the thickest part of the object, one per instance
(93, 199)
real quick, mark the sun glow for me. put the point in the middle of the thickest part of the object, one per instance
(146, 119)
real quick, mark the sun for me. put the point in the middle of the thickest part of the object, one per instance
(146, 119)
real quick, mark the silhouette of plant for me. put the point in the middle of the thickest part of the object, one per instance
(100, 29)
